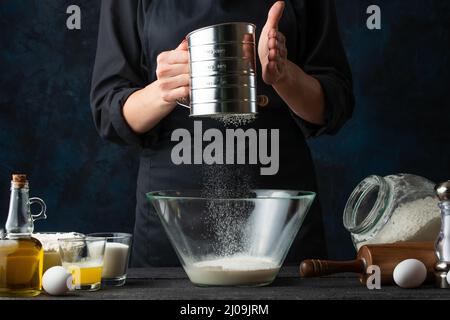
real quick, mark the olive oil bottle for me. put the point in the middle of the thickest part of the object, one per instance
(21, 255)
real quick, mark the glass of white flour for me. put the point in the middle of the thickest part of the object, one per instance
(116, 257)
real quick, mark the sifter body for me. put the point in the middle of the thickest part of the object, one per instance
(222, 62)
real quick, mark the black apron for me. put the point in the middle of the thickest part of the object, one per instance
(133, 33)
(166, 23)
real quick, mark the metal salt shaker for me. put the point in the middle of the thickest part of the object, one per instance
(443, 241)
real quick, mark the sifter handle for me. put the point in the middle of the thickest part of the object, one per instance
(320, 268)
(184, 102)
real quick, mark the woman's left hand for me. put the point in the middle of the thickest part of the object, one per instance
(272, 47)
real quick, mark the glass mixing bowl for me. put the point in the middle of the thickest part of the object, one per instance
(232, 242)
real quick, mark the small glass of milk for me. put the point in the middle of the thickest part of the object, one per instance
(115, 260)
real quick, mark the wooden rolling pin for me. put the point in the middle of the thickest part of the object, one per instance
(386, 256)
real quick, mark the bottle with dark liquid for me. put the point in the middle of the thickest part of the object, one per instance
(21, 255)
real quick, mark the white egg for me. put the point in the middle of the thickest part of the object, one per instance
(57, 281)
(448, 277)
(410, 274)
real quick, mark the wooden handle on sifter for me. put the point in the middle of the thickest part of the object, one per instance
(319, 268)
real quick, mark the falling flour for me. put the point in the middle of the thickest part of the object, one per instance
(225, 219)
(235, 270)
(418, 220)
(235, 120)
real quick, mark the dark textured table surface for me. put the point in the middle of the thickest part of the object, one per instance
(172, 283)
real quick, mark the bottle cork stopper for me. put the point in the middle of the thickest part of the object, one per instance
(19, 180)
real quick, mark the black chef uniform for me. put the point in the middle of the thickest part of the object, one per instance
(131, 35)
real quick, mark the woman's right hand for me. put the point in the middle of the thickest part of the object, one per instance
(148, 106)
(172, 72)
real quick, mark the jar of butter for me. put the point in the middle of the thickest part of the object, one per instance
(392, 209)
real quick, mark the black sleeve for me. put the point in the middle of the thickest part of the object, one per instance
(324, 58)
(118, 70)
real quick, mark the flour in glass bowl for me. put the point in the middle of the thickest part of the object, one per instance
(415, 221)
(233, 271)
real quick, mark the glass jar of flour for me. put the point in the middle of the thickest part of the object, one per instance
(391, 209)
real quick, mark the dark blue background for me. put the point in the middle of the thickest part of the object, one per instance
(401, 123)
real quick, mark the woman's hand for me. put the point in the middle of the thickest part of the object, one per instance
(272, 47)
(300, 91)
(172, 72)
(148, 106)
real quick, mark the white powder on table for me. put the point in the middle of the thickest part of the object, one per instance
(51, 247)
(418, 220)
(50, 240)
(232, 271)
